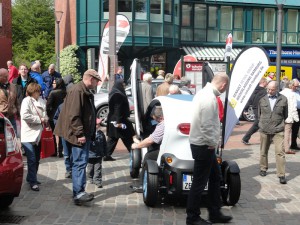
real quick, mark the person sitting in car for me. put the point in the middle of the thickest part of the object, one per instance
(154, 140)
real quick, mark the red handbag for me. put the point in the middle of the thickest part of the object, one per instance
(47, 143)
(47, 140)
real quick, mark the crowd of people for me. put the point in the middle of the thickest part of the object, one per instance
(45, 99)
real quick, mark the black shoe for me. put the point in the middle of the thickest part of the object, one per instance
(99, 185)
(246, 142)
(86, 197)
(60, 155)
(295, 148)
(263, 173)
(220, 219)
(37, 182)
(108, 158)
(200, 221)
(282, 180)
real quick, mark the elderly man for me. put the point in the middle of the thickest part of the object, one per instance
(161, 74)
(48, 77)
(12, 71)
(163, 89)
(8, 98)
(174, 90)
(77, 125)
(35, 74)
(272, 113)
(147, 91)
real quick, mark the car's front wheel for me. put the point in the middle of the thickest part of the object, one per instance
(6, 201)
(249, 114)
(102, 114)
(231, 195)
(150, 187)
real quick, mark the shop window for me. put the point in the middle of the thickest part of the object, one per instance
(238, 36)
(141, 9)
(269, 37)
(256, 37)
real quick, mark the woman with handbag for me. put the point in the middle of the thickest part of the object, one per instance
(33, 119)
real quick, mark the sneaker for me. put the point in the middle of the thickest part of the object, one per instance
(68, 174)
(108, 158)
(282, 180)
(83, 197)
(246, 142)
(263, 173)
(220, 219)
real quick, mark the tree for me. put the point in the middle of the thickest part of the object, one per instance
(33, 26)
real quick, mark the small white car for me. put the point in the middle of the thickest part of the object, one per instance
(172, 173)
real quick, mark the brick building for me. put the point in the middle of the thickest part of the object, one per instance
(5, 32)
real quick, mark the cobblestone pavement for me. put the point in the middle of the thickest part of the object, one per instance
(263, 200)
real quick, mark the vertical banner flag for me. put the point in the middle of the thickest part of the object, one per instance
(122, 30)
(248, 68)
(228, 47)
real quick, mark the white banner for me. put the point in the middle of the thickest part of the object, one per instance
(122, 30)
(249, 67)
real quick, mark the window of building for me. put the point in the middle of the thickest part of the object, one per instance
(156, 30)
(257, 26)
(200, 22)
(186, 22)
(124, 7)
(156, 11)
(226, 18)
(141, 29)
(176, 12)
(238, 26)
(213, 30)
(0, 14)
(292, 26)
(140, 9)
(269, 25)
(168, 30)
(168, 10)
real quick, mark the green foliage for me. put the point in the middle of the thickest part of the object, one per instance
(33, 28)
(69, 62)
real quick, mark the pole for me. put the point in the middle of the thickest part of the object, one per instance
(57, 48)
(112, 43)
(279, 43)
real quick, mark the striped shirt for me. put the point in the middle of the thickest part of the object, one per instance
(158, 133)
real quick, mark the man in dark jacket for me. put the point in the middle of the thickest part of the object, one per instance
(272, 113)
(77, 125)
(48, 77)
(258, 93)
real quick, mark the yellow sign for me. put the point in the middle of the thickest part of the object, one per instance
(285, 71)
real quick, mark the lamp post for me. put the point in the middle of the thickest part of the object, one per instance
(58, 15)
(279, 40)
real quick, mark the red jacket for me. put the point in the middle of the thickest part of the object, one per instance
(13, 73)
(221, 109)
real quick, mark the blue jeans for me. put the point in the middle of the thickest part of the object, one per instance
(33, 153)
(80, 157)
(67, 154)
(206, 168)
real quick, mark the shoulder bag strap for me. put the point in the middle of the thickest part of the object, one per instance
(37, 112)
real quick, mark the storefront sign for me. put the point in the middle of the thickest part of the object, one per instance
(285, 53)
(190, 67)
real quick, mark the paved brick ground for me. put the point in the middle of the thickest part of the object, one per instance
(263, 200)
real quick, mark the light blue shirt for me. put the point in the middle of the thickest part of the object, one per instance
(297, 94)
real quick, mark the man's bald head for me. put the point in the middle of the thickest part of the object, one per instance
(3, 76)
(220, 81)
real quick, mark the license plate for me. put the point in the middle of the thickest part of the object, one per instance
(187, 181)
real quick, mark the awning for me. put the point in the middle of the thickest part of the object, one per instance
(208, 53)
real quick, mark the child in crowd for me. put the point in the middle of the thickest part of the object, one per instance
(97, 151)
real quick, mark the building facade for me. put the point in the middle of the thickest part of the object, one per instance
(5, 33)
(164, 30)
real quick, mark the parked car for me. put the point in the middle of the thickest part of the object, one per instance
(101, 99)
(11, 164)
(172, 173)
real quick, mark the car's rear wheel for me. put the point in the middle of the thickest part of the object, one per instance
(232, 194)
(6, 201)
(135, 163)
(150, 187)
(102, 114)
(249, 114)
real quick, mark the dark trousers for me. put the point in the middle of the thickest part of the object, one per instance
(58, 146)
(94, 170)
(295, 130)
(206, 169)
(254, 128)
(112, 143)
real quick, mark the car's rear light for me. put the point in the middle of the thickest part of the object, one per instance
(11, 147)
(184, 128)
(171, 179)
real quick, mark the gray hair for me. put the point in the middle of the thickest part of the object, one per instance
(157, 112)
(169, 78)
(174, 89)
(147, 77)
